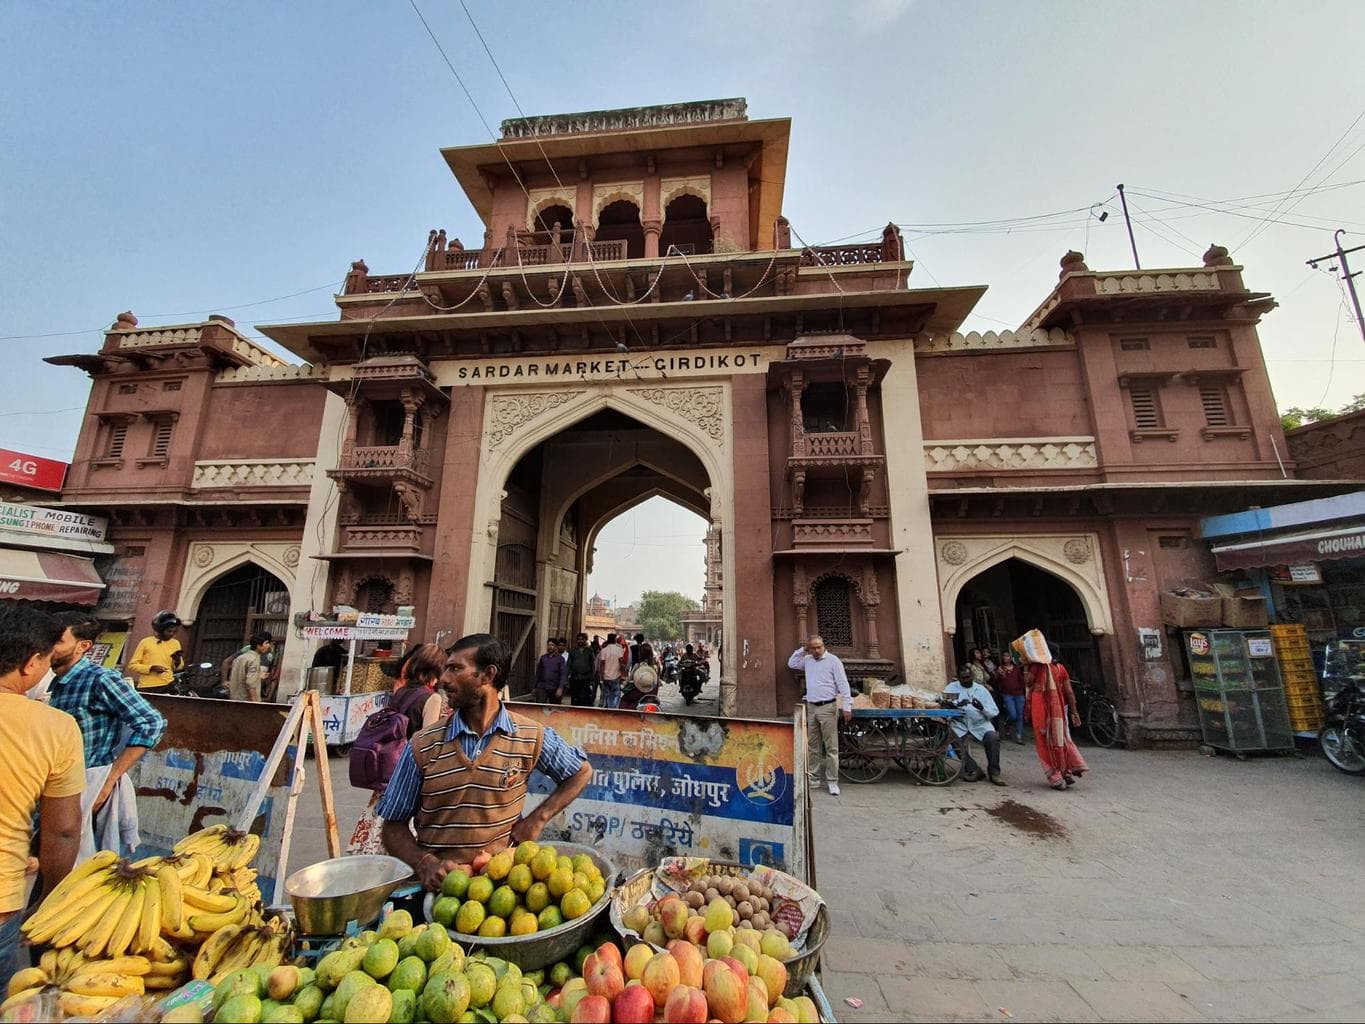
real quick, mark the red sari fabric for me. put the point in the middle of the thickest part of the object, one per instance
(1051, 735)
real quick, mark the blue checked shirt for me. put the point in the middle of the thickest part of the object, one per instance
(104, 704)
(558, 761)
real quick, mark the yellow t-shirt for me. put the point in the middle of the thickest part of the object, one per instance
(44, 758)
(151, 651)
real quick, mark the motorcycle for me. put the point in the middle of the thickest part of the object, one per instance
(670, 672)
(196, 681)
(692, 676)
(1342, 736)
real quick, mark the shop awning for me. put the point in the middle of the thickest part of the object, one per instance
(48, 576)
(1345, 541)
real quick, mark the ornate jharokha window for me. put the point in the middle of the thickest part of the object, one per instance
(833, 613)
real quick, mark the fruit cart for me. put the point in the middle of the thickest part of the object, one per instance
(344, 713)
(919, 740)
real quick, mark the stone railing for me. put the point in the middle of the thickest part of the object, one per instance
(404, 538)
(1018, 453)
(832, 444)
(993, 341)
(807, 532)
(546, 255)
(270, 374)
(1157, 281)
(661, 116)
(840, 512)
(231, 473)
(383, 457)
(254, 352)
(149, 339)
(386, 283)
(464, 259)
(842, 255)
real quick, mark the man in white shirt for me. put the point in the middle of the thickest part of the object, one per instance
(978, 709)
(827, 694)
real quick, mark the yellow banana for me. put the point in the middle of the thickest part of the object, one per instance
(58, 909)
(22, 996)
(212, 922)
(200, 901)
(165, 983)
(274, 950)
(74, 1005)
(245, 850)
(198, 839)
(127, 928)
(172, 897)
(48, 961)
(170, 969)
(97, 938)
(203, 864)
(213, 949)
(68, 930)
(106, 984)
(149, 929)
(184, 863)
(131, 965)
(101, 861)
(150, 863)
(239, 955)
(29, 977)
(69, 959)
(162, 952)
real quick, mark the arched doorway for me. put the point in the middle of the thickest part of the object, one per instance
(620, 221)
(243, 601)
(556, 500)
(687, 228)
(1005, 600)
(555, 216)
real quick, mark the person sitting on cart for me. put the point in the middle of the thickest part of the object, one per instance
(461, 784)
(978, 709)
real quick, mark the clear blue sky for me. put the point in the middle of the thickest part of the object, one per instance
(179, 159)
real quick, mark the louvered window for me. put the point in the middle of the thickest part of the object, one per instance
(833, 614)
(1146, 408)
(118, 434)
(1203, 342)
(161, 438)
(1133, 345)
(1214, 399)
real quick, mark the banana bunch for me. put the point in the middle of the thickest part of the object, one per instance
(229, 849)
(237, 946)
(87, 986)
(105, 907)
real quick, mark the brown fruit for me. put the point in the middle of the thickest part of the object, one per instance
(712, 893)
(695, 899)
(725, 885)
(731, 900)
(760, 920)
(745, 910)
(741, 892)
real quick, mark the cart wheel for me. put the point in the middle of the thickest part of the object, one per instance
(860, 768)
(938, 770)
(1102, 721)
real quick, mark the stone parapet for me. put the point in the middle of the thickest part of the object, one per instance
(1016, 453)
(957, 343)
(232, 473)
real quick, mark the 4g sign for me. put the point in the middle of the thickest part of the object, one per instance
(31, 471)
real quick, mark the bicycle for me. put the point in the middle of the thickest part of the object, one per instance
(1098, 714)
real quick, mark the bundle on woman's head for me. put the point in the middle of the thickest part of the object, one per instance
(1031, 648)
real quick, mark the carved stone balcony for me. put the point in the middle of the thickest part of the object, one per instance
(383, 463)
(382, 538)
(831, 534)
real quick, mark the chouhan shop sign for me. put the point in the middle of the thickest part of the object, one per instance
(675, 785)
(659, 366)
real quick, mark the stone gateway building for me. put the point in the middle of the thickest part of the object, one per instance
(635, 322)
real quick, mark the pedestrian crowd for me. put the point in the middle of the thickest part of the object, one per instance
(615, 672)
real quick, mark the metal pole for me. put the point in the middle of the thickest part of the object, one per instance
(1346, 274)
(1127, 220)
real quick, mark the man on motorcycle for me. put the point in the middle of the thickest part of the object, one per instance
(693, 671)
(158, 657)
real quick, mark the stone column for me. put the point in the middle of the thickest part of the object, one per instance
(653, 229)
(750, 650)
(864, 423)
(455, 504)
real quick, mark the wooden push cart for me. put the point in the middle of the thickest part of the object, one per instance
(919, 741)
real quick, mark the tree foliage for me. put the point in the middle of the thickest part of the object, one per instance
(1297, 416)
(661, 611)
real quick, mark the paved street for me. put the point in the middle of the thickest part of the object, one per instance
(1166, 886)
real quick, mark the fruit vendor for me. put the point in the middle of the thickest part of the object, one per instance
(107, 708)
(461, 784)
(44, 772)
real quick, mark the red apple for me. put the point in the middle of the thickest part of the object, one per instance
(727, 991)
(591, 1010)
(690, 962)
(738, 967)
(685, 1005)
(695, 930)
(636, 957)
(659, 977)
(604, 978)
(633, 1006)
(672, 914)
(610, 951)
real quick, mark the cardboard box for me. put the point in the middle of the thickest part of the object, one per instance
(1245, 612)
(1189, 612)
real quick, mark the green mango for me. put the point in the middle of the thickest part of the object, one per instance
(309, 1001)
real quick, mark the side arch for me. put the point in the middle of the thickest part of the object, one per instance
(961, 559)
(206, 562)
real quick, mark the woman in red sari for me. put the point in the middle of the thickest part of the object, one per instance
(1051, 703)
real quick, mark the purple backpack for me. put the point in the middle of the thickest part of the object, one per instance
(376, 751)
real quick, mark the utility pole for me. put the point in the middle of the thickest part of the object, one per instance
(1127, 220)
(1347, 276)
